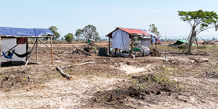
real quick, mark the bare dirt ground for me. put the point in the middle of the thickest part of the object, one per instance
(183, 81)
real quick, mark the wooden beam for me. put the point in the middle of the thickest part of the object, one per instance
(52, 58)
(50, 49)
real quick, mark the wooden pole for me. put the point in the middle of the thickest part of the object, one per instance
(30, 54)
(131, 44)
(27, 49)
(50, 49)
(52, 58)
(109, 46)
(0, 49)
(36, 50)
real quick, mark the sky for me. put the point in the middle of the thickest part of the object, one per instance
(105, 15)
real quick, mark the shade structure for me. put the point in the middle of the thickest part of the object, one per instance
(130, 31)
(24, 32)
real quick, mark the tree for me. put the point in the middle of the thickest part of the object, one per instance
(97, 38)
(199, 21)
(79, 33)
(69, 37)
(89, 31)
(153, 29)
(54, 30)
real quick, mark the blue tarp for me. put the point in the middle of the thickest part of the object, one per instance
(22, 32)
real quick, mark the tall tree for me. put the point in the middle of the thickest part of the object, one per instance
(54, 30)
(89, 31)
(69, 37)
(153, 29)
(199, 21)
(79, 33)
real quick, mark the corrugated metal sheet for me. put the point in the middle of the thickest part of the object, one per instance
(134, 31)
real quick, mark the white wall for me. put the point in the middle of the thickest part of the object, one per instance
(8, 43)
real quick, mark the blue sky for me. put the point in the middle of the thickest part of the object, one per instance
(70, 15)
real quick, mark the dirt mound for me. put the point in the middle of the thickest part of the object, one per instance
(144, 87)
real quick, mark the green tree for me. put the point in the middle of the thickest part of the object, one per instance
(89, 31)
(153, 29)
(79, 33)
(54, 30)
(97, 38)
(199, 21)
(69, 37)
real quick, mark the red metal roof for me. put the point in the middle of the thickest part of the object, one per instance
(134, 31)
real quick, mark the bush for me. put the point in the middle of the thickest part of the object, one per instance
(182, 46)
(202, 47)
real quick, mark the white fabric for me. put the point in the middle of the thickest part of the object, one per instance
(8, 43)
(120, 40)
(144, 45)
(146, 42)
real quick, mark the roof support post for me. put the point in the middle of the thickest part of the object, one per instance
(131, 43)
(27, 49)
(0, 50)
(109, 46)
(52, 52)
(36, 50)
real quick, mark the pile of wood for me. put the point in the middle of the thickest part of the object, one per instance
(154, 52)
(80, 51)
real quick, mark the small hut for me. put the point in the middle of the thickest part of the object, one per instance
(123, 38)
(16, 40)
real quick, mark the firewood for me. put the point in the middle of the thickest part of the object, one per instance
(62, 73)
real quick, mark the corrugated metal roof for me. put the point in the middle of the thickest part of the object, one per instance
(134, 31)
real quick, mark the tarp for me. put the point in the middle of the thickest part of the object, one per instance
(120, 40)
(179, 42)
(24, 32)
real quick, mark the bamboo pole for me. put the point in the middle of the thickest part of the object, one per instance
(50, 49)
(52, 58)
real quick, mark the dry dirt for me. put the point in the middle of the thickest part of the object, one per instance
(111, 82)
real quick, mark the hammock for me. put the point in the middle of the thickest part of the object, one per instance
(9, 54)
(21, 55)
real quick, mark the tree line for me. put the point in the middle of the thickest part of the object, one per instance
(88, 32)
